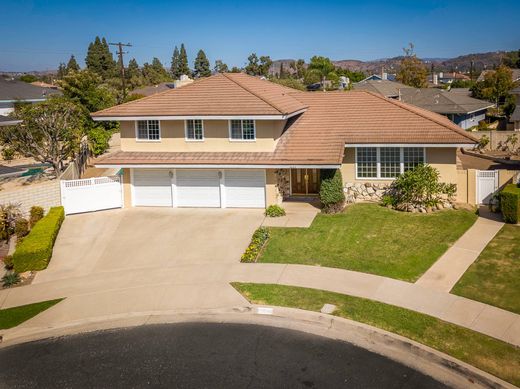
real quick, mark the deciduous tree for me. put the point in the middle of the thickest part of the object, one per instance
(412, 71)
(51, 131)
(496, 85)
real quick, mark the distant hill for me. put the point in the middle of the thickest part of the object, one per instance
(391, 65)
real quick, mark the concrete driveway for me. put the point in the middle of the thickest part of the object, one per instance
(149, 238)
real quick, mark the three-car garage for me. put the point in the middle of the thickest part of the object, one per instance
(217, 188)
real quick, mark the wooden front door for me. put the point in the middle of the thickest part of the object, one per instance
(305, 181)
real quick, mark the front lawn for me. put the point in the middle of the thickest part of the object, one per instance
(371, 239)
(11, 317)
(494, 278)
(494, 356)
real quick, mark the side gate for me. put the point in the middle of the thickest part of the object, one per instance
(91, 194)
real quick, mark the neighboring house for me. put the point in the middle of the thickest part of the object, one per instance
(233, 141)
(7, 121)
(447, 78)
(515, 75)
(386, 88)
(382, 76)
(163, 86)
(463, 110)
(13, 92)
(515, 117)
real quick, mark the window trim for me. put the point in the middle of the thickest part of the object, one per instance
(242, 131)
(186, 131)
(137, 139)
(378, 163)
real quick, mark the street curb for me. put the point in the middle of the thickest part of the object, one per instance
(440, 366)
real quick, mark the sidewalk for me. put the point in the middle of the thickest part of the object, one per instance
(445, 273)
(207, 287)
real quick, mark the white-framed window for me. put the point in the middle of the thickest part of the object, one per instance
(387, 162)
(194, 130)
(148, 130)
(244, 129)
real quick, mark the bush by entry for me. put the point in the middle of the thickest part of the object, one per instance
(35, 251)
(510, 203)
(486, 353)
(370, 239)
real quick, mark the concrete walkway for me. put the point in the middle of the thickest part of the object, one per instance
(445, 273)
(298, 214)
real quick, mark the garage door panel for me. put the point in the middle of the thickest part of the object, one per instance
(152, 187)
(198, 188)
(245, 188)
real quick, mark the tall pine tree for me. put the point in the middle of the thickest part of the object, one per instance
(174, 69)
(184, 68)
(155, 73)
(220, 67)
(201, 68)
(62, 71)
(100, 60)
(72, 65)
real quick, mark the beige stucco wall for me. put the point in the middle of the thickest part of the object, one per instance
(272, 194)
(443, 159)
(216, 137)
(127, 189)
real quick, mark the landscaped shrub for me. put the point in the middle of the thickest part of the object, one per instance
(332, 196)
(8, 262)
(258, 241)
(420, 186)
(9, 213)
(36, 213)
(274, 211)
(21, 227)
(10, 279)
(35, 251)
(510, 203)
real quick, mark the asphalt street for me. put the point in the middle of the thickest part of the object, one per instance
(201, 355)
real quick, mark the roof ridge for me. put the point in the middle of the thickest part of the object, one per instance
(257, 95)
(418, 112)
(153, 95)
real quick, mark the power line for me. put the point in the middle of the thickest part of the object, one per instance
(120, 53)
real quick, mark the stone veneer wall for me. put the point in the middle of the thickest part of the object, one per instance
(283, 182)
(365, 191)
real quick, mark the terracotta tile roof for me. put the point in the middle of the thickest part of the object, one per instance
(222, 94)
(316, 136)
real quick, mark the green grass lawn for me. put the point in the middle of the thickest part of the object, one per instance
(11, 317)
(371, 239)
(494, 278)
(494, 356)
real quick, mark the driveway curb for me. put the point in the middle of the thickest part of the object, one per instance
(438, 365)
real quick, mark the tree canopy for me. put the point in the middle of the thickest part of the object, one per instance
(51, 131)
(155, 73)
(72, 65)
(201, 67)
(496, 88)
(412, 71)
(184, 68)
(99, 59)
(258, 66)
(220, 67)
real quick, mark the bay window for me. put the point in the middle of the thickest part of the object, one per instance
(386, 162)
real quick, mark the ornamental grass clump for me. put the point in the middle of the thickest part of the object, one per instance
(274, 211)
(258, 241)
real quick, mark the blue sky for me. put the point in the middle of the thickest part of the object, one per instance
(37, 35)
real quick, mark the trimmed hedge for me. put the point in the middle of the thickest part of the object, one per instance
(510, 203)
(35, 251)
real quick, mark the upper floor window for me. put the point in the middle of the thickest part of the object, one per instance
(148, 130)
(387, 162)
(242, 130)
(194, 130)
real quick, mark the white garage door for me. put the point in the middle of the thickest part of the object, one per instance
(198, 188)
(152, 187)
(245, 188)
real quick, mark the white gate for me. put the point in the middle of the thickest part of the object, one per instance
(91, 194)
(487, 185)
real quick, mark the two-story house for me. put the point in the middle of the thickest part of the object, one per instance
(232, 140)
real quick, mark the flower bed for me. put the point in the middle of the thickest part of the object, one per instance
(258, 241)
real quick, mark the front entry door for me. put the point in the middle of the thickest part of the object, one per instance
(305, 181)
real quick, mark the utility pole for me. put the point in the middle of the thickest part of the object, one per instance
(120, 53)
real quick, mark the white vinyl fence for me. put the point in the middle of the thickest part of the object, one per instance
(91, 194)
(487, 185)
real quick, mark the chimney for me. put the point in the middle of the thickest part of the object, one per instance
(435, 79)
